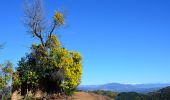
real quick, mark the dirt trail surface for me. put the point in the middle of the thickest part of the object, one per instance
(87, 96)
(76, 96)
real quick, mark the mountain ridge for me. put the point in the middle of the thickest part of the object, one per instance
(118, 87)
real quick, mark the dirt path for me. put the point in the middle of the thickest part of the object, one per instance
(88, 96)
(76, 96)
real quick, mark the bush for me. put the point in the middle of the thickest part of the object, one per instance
(106, 93)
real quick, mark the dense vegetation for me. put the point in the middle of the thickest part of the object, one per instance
(106, 93)
(6, 72)
(132, 96)
(162, 94)
(48, 67)
(51, 68)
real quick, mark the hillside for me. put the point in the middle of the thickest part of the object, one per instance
(116, 87)
(162, 94)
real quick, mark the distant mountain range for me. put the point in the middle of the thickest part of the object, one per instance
(116, 87)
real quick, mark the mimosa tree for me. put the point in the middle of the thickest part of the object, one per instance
(49, 66)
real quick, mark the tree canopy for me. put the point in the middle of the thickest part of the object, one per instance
(6, 71)
(49, 66)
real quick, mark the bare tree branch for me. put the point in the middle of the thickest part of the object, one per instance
(36, 23)
(52, 29)
(57, 22)
(34, 19)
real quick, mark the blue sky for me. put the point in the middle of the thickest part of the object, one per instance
(123, 41)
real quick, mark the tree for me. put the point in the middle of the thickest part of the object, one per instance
(49, 66)
(36, 23)
(7, 71)
(1, 83)
(5, 77)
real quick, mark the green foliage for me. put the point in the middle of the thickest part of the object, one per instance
(1, 83)
(58, 18)
(132, 96)
(16, 83)
(69, 91)
(162, 94)
(106, 93)
(6, 97)
(51, 68)
(5, 78)
(73, 71)
(6, 73)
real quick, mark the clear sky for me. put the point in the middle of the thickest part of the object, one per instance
(123, 41)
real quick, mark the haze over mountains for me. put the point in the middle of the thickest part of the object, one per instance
(117, 87)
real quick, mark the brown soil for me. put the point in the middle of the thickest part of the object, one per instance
(76, 96)
(87, 96)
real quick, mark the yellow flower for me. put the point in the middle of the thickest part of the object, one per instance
(58, 18)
